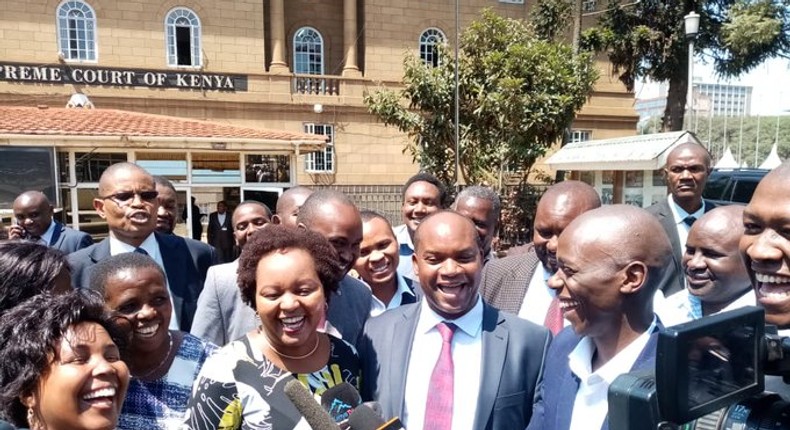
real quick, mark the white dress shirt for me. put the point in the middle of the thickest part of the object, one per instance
(377, 307)
(151, 246)
(680, 214)
(467, 354)
(538, 298)
(405, 265)
(221, 219)
(591, 407)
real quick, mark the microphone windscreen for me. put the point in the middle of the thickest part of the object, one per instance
(365, 418)
(309, 408)
(376, 407)
(340, 400)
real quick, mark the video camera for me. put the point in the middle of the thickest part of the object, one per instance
(709, 374)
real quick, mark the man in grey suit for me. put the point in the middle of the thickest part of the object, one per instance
(33, 215)
(517, 283)
(452, 361)
(686, 171)
(222, 316)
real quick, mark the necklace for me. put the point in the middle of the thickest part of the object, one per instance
(152, 371)
(296, 357)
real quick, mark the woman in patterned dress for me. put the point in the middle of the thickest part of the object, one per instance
(286, 275)
(163, 362)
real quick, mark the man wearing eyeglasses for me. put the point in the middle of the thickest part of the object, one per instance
(128, 202)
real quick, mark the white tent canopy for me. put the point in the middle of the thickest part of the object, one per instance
(727, 161)
(772, 160)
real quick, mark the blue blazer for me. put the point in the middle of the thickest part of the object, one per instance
(554, 405)
(68, 240)
(186, 263)
(514, 351)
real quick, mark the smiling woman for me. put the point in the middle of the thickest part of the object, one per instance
(61, 366)
(163, 363)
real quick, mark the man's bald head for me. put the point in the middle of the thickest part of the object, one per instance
(689, 147)
(445, 215)
(108, 177)
(289, 204)
(333, 215)
(32, 197)
(559, 205)
(33, 213)
(311, 209)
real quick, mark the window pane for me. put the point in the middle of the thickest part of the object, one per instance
(215, 168)
(267, 168)
(90, 166)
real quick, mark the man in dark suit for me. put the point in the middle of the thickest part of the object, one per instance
(517, 284)
(33, 215)
(686, 171)
(610, 261)
(128, 201)
(197, 223)
(452, 361)
(220, 233)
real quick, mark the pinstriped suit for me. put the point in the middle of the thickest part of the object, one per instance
(504, 282)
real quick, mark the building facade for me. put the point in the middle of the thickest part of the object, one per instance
(296, 65)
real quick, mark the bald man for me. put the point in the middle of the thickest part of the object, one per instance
(33, 221)
(517, 283)
(716, 278)
(494, 359)
(686, 172)
(288, 205)
(128, 201)
(609, 262)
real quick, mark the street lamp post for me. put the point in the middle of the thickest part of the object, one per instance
(692, 28)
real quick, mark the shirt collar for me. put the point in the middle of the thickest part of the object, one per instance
(47, 236)
(149, 245)
(580, 359)
(403, 237)
(471, 323)
(680, 214)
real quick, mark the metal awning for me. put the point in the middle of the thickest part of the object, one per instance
(643, 152)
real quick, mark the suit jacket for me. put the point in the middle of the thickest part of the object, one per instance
(674, 280)
(186, 263)
(514, 351)
(554, 406)
(505, 280)
(68, 240)
(222, 316)
(221, 240)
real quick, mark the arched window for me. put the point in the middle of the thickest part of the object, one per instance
(182, 27)
(308, 51)
(77, 31)
(429, 53)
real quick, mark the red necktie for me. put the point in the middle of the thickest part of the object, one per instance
(554, 321)
(439, 407)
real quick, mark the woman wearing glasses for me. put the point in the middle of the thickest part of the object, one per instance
(163, 363)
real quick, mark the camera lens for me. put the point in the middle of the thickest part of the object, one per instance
(766, 411)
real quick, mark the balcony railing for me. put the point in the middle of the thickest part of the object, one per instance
(315, 84)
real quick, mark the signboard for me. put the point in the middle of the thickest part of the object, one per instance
(68, 74)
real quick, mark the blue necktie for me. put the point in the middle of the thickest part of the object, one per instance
(140, 251)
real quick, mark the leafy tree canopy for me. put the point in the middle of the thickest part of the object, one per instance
(517, 94)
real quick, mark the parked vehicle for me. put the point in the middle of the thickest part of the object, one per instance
(728, 186)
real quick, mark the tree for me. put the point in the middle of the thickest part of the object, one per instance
(517, 94)
(646, 38)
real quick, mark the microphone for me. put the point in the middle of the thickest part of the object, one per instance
(340, 400)
(304, 401)
(365, 418)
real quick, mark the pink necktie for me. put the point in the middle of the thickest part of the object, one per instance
(553, 320)
(439, 407)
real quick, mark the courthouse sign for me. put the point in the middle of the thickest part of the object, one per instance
(67, 74)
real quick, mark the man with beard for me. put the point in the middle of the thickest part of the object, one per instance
(686, 171)
(423, 194)
(451, 361)
(34, 222)
(609, 264)
(716, 278)
(128, 202)
(333, 215)
(223, 315)
(517, 284)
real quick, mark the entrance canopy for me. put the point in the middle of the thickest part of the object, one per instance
(643, 152)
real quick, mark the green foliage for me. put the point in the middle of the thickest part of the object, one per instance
(647, 39)
(517, 94)
(551, 17)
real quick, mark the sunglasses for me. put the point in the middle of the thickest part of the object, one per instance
(125, 198)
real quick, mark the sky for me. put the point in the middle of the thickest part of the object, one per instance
(770, 82)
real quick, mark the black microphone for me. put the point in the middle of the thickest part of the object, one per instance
(304, 401)
(365, 418)
(340, 400)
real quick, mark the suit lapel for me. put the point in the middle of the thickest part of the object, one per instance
(176, 271)
(57, 235)
(494, 337)
(101, 251)
(403, 339)
(668, 222)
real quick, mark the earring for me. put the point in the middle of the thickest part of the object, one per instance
(32, 421)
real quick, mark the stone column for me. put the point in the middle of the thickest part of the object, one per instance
(350, 38)
(277, 15)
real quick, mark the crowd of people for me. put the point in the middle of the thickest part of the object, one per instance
(147, 329)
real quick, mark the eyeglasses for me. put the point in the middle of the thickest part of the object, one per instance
(125, 198)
